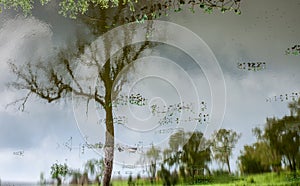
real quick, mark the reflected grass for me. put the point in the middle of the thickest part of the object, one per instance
(267, 179)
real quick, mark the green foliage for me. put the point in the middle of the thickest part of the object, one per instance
(58, 171)
(130, 181)
(265, 179)
(251, 180)
(293, 177)
(174, 178)
(69, 8)
(278, 141)
(73, 8)
(95, 167)
(189, 153)
(24, 5)
(295, 108)
(250, 161)
(221, 176)
(165, 176)
(143, 19)
(283, 137)
(195, 156)
(223, 143)
(202, 179)
(172, 154)
(138, 179)
(153, 155)
(90, 166)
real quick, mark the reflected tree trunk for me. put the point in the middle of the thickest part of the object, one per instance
(109, 139)
(228, 165)
(58, 181)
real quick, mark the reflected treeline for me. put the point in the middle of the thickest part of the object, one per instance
(92, 173)
(189, 155)
(277, 147)
(187, 158)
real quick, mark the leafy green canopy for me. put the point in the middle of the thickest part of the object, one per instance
(71, 7)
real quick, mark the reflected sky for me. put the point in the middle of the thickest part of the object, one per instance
(262, 33)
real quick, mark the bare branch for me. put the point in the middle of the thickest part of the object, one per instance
(67, 65)
(23, 100)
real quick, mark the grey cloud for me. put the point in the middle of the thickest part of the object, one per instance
(27, 130)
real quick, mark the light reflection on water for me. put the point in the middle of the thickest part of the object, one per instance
(10, 183)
